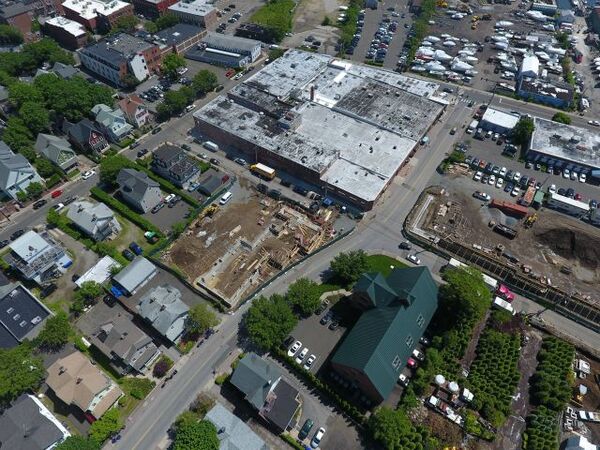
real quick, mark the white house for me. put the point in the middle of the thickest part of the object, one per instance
(95, 219)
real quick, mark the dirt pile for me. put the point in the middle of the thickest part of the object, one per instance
(572, 244)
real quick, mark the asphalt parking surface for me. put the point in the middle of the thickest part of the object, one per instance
(166, 217)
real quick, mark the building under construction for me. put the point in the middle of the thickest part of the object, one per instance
(344, 127)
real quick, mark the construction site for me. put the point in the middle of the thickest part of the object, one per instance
(232, 250)
(540, 253)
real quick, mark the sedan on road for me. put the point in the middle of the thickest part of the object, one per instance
(413, 259)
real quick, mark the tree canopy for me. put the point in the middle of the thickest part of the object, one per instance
(523, 130)
(34, 190)
(304, 294)
(171, 63)
(196, 435)
(35, 117)
(44, 167)
(465, 294)
(20, 92)
(19, 372)
(55, 334)
(394, 431)
(77, 443)
(164, 21)
(200, 318)
(33, 56)
(124, 23)
(561, 117)
(10, 35)
(17, 136)
(205, 81)
(111, 166)
(269, 321)
(348, 267)
(110, 423)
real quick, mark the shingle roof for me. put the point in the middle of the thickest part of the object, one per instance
(130, 104)
(135, 183)
(165, 310)
(81, 130)
(135, 274)
(255, 378)
(210, 182)
(29, 425)
(64, 71)
(13, 167)
(89, 216)
(57, 150)
(379, 336)
(232, 432)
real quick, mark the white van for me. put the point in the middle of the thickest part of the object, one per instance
(226, 197)
(209, 145)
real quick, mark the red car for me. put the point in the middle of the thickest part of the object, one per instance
(230, 73)
(411, 363)
(56, 193)
(578, 196)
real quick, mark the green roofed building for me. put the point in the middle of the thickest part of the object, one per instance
(396, 312)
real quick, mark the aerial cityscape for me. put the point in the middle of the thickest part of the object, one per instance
(299, 224)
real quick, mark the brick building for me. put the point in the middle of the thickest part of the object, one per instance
(97, 14)
(152, 9)
(179, 38)
(66, 32)
(197, 12)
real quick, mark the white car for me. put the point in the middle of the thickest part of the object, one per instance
(517, 176)
(413, 259)
(88, 174)
(582, 178)
(499, 183)
(482, 196)
(552, 189)
(316, 440)
(301, 355)
(294, 348)
(574, 175)
(566, 173)
(503, 172)
(492, 180)
(477, 176)
(309, 362)
(58, 207)
(515, 192)
(594, 122)
(418, 355)
(169, 197)
(403, 380)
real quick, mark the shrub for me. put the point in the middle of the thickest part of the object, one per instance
(53, 181)
(221, 378)
(138, 388)
(162, 366)
(109, 424)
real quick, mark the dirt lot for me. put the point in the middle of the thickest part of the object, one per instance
(243, 244)
(554, 241)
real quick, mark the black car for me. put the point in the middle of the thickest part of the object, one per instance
(561, 191)
(70, 199)
(305, 430)
(285, 183)
(570, 193)
(110, 300)
(214, 161)
(128, 255)
(47, 290)
(142, 152)
(157, 208)
(325, 319)
(274, 194)
(4, 243)
(186, 147)
(262, 188)
(288, 341)
(300, 190)
(74, 277)
(134, 145)
(39, 203)
(405, 245)
(334, 325)
(157, 130)
(17, 234)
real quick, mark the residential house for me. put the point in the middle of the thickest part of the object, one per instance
(127, 347)
(37, 257)
(163, 308)
(86, 136)
(56, 150)
(135, 111)
(100, 272)
(96, 220)
(122, 56)
(138, 190)
(232, 432)
(210, 182)
(18, 15)
(396, 313)
(170, 162)
(28, 425)
(135, 275)
(65, 71)
(264, 388)
(21, 314)
(16, 173)
(112, 122)
(76, 381)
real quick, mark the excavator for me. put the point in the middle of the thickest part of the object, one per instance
(530, 220)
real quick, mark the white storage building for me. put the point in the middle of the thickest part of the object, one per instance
(498, 121)
(531, 66)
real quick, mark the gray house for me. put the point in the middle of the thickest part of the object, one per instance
(232, 432)
(170, 162)
(127, 346)
(135, 275)
(57, 150)
(163, 308)
(15, 172)
(95, 219)
(139, 190)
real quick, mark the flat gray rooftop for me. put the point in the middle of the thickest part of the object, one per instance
(567, 142)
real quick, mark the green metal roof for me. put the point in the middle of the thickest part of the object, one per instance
(255, 377)
(377, 344)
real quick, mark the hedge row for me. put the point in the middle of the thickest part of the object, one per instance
(53, 181)
(310, 378)
(124, 210)
(291, 441)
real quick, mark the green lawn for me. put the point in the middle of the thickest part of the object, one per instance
(383, 263)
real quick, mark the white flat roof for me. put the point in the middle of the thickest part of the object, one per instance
(197, 7)
(70, 26)
(569, 201)
(500, 118)
(100, 272)
(89, 9)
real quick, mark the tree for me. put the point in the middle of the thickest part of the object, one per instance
(20, 92)
(19, 371)
(16, 135)
(111, 166)
(200, 318)
(77, 443)
(184, 419)
(124, 23)
(90, 290)
(171, 63)
(55, 334)
(348, 267)
(394, 430)
(523, 130)
(10, 35)
(34, 190)
(561, 117)
(464, 296)
(35, 117)
(205, 81)
(304, 294)
(269, 321)
(164, 21)
(162, 366)
(109, 424)
(196, 435)
(44, 167)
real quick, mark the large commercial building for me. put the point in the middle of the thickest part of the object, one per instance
(344, 127)
(179, 38)
(97, 14)
(565, 147)
(197, 12)
(226, 50)
(120, 56)
(557, 94)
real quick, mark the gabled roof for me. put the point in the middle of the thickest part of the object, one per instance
(130, 104)
(75, 380)
(165, 310)
(57, 150)
(379, 336)
(232, 432)
(29, 425)
(81, 130)
(89, 216)
(255, 377)
(64, 71)
(135, 274)
(135, 183)
(14, 168)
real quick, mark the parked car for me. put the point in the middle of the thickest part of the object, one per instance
(300, 190)
(157, 208)
(39, 203)
(88, 174)
(156, 130)
(142, 152)
(405, 245)
(413, 259)
(418, 355)
(334, 325)
(309, 362)
(240, 161)
(301, 355)
(17, 234)
(215, 161)
(305, 429)
(128, 255)
(294, 348)
(135, 248)
(4, 243)
(48, 290)
(58, 207)
(56, 193)
(411, 363)
(186, 147)
(403, 380)
(317, 438)
(482, 195)
(326, 318)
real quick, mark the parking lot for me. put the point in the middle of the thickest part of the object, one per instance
(168, 215)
